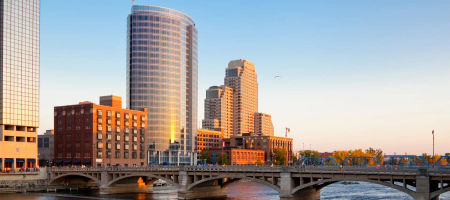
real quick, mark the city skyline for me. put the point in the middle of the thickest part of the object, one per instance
(378, 97)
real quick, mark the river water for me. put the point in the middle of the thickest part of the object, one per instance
(242, 190)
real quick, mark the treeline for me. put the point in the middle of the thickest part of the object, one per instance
(341, 155)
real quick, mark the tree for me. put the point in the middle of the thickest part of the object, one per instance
(279, 156)
(294, 158)
(378, 153)
(205, 157)
(224, 159)
(310, 153)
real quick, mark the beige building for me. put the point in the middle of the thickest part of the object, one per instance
(46, 147)
(19, 86)
(241, 77)
(219, 110)
(263, 124)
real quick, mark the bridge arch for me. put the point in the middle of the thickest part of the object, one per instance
(326, 182)
(169, 181)
(256, 180)
(435, 194)
(89, 177)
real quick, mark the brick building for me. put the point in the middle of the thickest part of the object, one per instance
(237, 156)
(100, 135)
(208, 139)
(265, 143)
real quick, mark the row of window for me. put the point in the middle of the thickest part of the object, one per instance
(126, 154)
(19, 139)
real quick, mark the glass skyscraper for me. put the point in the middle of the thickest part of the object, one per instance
(162, 76)
(19, 77)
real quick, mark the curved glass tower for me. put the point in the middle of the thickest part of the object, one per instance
(162, 77)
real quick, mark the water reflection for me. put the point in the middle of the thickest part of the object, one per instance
(240, 191)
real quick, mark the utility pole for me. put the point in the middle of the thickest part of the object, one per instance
(287, 130)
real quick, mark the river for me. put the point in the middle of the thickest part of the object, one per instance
(242, 190)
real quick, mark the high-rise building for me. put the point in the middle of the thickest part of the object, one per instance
(100, 135)
(263, 124)
(19, 87)
(162, 76)
(241, 76)
(219, 110)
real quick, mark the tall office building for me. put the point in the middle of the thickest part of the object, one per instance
(219, 110)
(263, 124)
(241, 76)
(19, 77)
(162, 76)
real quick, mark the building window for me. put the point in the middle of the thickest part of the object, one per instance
(99, 112)
(99, 120)
(99, 145)
(134, 155)
(117, 146)
(117, 154)
(126, 154)
(118, 129)
(126, 146)
(108, 113)
(117, 137)
(99, 136)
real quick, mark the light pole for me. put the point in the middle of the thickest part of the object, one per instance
(432, 158)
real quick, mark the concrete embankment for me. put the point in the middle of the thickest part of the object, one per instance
(24, 182)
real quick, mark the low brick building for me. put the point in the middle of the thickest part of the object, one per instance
(265, 143)
(100, 135)
(208, 139)
(236, 156)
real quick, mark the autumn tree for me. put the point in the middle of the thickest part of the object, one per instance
(378, 153)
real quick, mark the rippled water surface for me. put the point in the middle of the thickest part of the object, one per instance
(244, 190)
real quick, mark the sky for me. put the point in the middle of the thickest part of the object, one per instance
(353, 74)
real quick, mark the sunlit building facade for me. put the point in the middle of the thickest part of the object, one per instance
(219, 110)
(241, 76)
(162, 76)
(263, 124)
(19, 88)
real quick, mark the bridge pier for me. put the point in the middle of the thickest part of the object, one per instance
(424, 186)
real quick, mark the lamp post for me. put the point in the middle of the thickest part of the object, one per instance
(432, 158)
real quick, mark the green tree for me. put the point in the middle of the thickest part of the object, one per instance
(310, 153)
(205, 157)
(294, 158)
(279, 157)
(224, 159)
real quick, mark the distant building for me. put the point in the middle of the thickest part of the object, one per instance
(265, 143)
(219, 110)
(237, 156)
(208, 139)
(241, 77)
(100, 135)
(19, 83)
(46, 147)
(263, 124)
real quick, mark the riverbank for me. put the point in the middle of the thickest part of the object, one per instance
(24, 182)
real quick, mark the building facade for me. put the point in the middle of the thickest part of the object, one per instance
(241, 77)
(162, 77)
(219, 110)
(46, 148)
(236, 156)
(263, 124)
(19, 88)
(208, 139)
(266, 143)
(100, 135)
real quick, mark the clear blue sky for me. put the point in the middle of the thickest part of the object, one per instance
(354, 74)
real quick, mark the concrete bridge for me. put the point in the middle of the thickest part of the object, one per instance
(289, 182)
